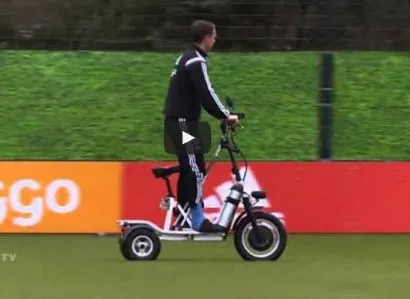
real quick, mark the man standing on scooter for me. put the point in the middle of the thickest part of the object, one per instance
(189, 90)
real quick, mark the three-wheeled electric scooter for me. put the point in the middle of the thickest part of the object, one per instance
(258, 235)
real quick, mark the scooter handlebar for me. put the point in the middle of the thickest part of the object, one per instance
(240, 115)
(224, 123)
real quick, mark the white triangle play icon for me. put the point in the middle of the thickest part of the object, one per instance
(186, 137)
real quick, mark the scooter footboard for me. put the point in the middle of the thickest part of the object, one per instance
(127, 226)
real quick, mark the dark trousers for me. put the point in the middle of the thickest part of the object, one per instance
(191, 161)
(189, 186)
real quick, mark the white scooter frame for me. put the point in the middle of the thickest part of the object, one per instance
(253, 225)
(167, 232)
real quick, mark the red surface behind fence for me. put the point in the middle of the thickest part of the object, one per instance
(337, 197)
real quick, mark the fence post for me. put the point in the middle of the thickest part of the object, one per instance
(326, 106)
(327, 40)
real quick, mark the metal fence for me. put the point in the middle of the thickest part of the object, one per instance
(258, 25)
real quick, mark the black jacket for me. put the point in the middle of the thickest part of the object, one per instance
(190, 88)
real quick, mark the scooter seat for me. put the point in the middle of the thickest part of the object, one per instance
(258, 194)
(163, 172)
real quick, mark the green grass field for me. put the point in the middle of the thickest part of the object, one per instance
(93, 105)
(313, 267)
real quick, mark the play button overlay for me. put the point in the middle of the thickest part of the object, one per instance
(186, 137)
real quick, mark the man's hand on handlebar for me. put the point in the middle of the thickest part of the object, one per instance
(233, 120)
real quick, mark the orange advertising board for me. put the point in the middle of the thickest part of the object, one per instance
(59, 197)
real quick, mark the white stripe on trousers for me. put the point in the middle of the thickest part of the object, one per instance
(192, 163)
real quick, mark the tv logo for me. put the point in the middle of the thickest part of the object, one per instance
(6, 257)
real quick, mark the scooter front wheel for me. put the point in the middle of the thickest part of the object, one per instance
(141, 244)
(272, 244)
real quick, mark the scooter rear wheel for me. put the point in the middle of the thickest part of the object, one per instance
(273, 233)
(141, 244)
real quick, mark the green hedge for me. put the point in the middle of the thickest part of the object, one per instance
(108, 105)
(94, 105)
(372, 106)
